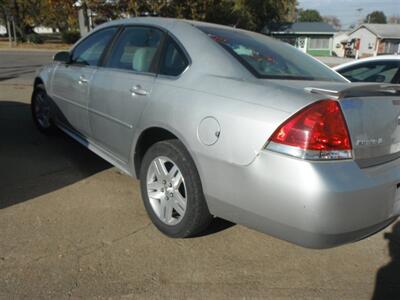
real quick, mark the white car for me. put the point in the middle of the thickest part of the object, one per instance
(385, 68)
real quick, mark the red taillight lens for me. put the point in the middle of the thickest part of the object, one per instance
(318, 127)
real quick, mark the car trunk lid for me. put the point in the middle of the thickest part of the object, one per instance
(372, 113)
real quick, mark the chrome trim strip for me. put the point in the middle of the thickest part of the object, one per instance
(71, 102)
(106, 155)
(330, 93)
(309, 154)
(125, 71)
(111, 118)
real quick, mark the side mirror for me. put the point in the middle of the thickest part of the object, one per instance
(62, 56)
(380, 78)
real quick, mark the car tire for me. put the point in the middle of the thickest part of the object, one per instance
(168, 180)
(41, 110)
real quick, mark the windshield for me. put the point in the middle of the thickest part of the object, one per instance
(269, 58)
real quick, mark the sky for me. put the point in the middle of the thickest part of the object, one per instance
(346, 10)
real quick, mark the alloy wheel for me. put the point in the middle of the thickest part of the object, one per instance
(166, 190)
(42, 110)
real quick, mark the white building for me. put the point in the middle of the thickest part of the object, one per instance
(338, 39)
(3, 29)
(38, 29)
(376, 39)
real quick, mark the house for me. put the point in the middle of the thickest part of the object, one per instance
(339, 41)
(377, 39)
(315, 38)
(37, 29)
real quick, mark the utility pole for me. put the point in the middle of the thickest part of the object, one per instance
(14, 31)
(359, 15)
(9, 32)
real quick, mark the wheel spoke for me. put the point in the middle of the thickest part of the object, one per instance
(159, 166)
(168, 211)
(39, 99)
(177, 180)
(155, 185)
(174, 170)
(165, 211)
(155, 194)
(179, 203)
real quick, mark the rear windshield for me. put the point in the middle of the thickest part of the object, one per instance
(269, 58)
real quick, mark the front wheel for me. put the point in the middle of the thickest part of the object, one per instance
(172, 192)
(41, 110)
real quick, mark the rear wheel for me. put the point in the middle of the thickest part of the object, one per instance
(41, 110)
(172, 192)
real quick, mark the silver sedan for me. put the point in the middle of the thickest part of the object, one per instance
(217, 121)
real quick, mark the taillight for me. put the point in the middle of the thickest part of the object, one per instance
(317, 132)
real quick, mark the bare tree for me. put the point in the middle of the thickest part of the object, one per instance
(333, 20)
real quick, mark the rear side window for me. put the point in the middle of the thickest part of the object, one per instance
(90, 50)
(381, 71)
(135, 49)
(268, 58)
(173, 61)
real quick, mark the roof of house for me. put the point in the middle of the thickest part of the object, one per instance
(300, 27)
(388, 31)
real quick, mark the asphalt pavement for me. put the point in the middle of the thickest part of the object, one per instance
(72, 226)
(22, 65)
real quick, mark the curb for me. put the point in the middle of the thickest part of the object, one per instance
(31, 50)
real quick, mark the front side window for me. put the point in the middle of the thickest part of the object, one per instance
(136, 49)
(91, 49)
(173, 61)
(268, 58)
(371, 72)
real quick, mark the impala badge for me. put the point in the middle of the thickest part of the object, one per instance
(369, 142)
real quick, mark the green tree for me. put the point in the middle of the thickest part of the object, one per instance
(255, 14)
(309, 15)
(27, 14)
(248, 14)
(377, 17)
(59, 14)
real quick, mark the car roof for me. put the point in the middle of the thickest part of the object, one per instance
(368, 59)
(158, 21)
(201, 49)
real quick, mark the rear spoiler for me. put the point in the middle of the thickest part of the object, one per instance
(358, 90)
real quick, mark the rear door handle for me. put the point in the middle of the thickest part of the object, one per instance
(138, 90)
(82, 80)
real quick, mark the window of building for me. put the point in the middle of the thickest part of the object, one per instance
(319, 43)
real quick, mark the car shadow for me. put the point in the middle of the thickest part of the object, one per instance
(387, 285)
(32, 164)
(217, 225)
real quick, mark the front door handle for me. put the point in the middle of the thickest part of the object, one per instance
(82, 80)
(138, 90)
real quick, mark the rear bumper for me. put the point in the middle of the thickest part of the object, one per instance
(313, 204)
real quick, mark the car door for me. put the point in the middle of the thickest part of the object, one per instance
(70, 88)
(386, 71)
(122, 87)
